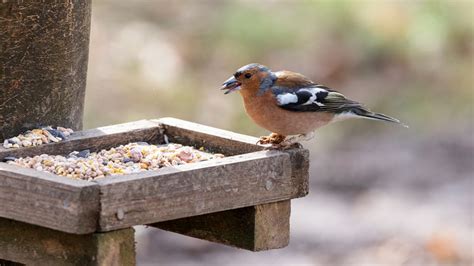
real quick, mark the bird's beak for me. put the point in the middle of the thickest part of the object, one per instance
(231, 85)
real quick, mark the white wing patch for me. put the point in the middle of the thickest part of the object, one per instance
(292, 97)
(286, 98)
(313, 98)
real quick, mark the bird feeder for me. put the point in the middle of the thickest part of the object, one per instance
(241, 200)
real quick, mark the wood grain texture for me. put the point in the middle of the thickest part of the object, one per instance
(255, 228)
(58, 202)
(299, 171)
(272, 225)
(34, 245)
(48, 200)
(230, 143)
(195, 189)
(214, 139)
(95, 139)
(43, 63)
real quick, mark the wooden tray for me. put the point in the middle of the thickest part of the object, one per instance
(247, 176)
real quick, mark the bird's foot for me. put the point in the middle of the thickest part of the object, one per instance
(274, 139)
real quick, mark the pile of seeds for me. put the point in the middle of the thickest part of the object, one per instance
(124, 159)
(37, 137)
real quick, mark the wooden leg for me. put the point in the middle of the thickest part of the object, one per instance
(255, 228)
(33, 245)
(9, 263)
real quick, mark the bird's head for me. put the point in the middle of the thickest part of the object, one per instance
(254, 78)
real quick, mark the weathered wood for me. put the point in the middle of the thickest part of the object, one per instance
(194, 189)
(170, 193)
(48, 200)
(254, 228)
(95, 139)
(299, 171)
(34, 245)
(232, 227)
(10, 263)
(214, 139)
(231, 143)
(43, 63)
(58, 202)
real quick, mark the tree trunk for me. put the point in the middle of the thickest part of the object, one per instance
(44, 49)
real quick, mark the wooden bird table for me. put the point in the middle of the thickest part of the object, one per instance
(241, 200)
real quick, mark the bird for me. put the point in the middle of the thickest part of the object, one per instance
(291, 105)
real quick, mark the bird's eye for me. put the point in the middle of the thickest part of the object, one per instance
(248, 75)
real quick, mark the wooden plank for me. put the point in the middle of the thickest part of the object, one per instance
(34, 245)
(48, 200)
(231, 143)
(95, 139)
(214, 139)
(299, 171)
(272, 225)
(254, 228)
(195, 189)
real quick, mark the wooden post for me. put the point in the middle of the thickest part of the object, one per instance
(44, 48)
(255, 228)
(43, 63)
(34, 245)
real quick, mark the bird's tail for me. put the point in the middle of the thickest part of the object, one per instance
(364, 113)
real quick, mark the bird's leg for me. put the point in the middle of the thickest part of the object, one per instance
(296, 138)
(273, 139)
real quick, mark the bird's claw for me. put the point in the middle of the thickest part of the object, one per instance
(277, 141)
(263, 140)
(273, 139)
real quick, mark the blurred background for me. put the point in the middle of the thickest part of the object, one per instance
(380, 194)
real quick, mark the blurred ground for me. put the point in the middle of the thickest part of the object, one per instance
(380, 195)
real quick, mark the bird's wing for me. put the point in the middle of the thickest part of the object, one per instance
(295, 92)
(313, 98)
(290, 79)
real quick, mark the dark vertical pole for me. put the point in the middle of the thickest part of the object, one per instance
(44, 49)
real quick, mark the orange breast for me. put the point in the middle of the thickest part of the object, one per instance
(266, 113)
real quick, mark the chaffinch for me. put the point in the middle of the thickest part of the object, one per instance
(290, 105)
